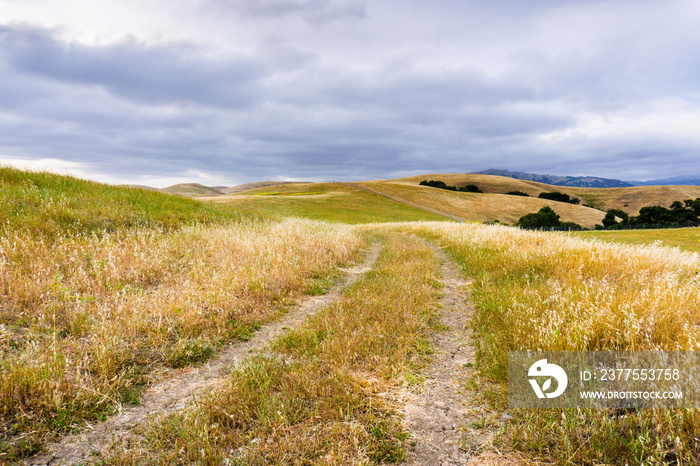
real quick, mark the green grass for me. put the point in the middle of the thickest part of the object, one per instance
(687, 239)
(310, 193)
(54, 205)
(324, 396)
(333, 202)
(545, 292)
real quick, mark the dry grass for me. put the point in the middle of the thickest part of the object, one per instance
(335, 202)
(85, 320)
(487, 183)
(632, 199)
(544, 291)
(322, 398)
(191, 190)
(629, 199)
(256, 185)
(688, 239)
(486, 207)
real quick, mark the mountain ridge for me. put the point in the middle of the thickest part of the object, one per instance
(559, 180)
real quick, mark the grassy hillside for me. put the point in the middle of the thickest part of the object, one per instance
(685, 238)
(629, 200)
(483, 207)
(632, 199)
(255, 185)
(323, 201)
(551, 292)
(191, 190)
(48, 204)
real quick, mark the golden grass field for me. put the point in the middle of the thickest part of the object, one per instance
(485, 207)
(86, 320)
(553, 292)
(97, 301)
(629, 199)
(336, 202)
(687, 239)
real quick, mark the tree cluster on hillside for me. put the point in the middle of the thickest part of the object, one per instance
(681, 214)
(470, 188)
(559, 197)
(517, 193)
(545, 219)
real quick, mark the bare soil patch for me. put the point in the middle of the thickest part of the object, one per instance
(181, 387)
(448, 425)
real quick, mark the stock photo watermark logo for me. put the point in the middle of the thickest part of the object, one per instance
(542, 370)
(603, 379)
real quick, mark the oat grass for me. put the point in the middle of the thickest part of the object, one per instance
(86, 320)
(324, 395)
(544, 291)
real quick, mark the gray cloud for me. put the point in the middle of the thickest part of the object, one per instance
(152, 74)
(558, 87)
(312, 11)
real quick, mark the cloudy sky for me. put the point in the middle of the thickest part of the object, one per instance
(224, 92)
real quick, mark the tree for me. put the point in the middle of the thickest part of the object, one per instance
(609, 220)
(559, 197)
(470, 188)
(545, 218)
(620, 214)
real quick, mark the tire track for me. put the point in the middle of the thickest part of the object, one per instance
(446, 421)
(176, 392)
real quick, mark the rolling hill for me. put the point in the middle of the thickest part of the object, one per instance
(336, 202)
(559, 180)
(404, 199)
(628, 199)
(489, 206)
(191, 190)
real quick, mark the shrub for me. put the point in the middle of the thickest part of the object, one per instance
(470, 188)
(559, 197)
(546, 218)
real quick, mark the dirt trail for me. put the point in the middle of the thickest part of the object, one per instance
(183, 386)
(445, 420)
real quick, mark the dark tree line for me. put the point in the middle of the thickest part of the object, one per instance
(559, 197)
(546, 219)
(470, 188)
(680, 214)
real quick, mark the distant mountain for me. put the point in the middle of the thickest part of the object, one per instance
(191, 190)
(574, 181)
(675, 181)
(256, 185)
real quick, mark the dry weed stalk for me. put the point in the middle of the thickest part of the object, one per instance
(84, 320)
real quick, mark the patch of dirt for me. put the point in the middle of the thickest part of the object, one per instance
(447, 424)
(183, 386)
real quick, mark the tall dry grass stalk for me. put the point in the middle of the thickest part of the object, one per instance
(85, 320)
(546, 291)
(568, 294)
(323, 396)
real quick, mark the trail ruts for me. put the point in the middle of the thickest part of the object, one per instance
(175, 393)
(440, 419)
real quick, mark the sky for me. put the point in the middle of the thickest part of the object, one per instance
(223, 92)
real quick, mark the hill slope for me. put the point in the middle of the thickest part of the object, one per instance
(191, 190)
(629, 199)
(336, 202)
(256, 185)
(48, 204)
(558, 180)
(488, 206)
